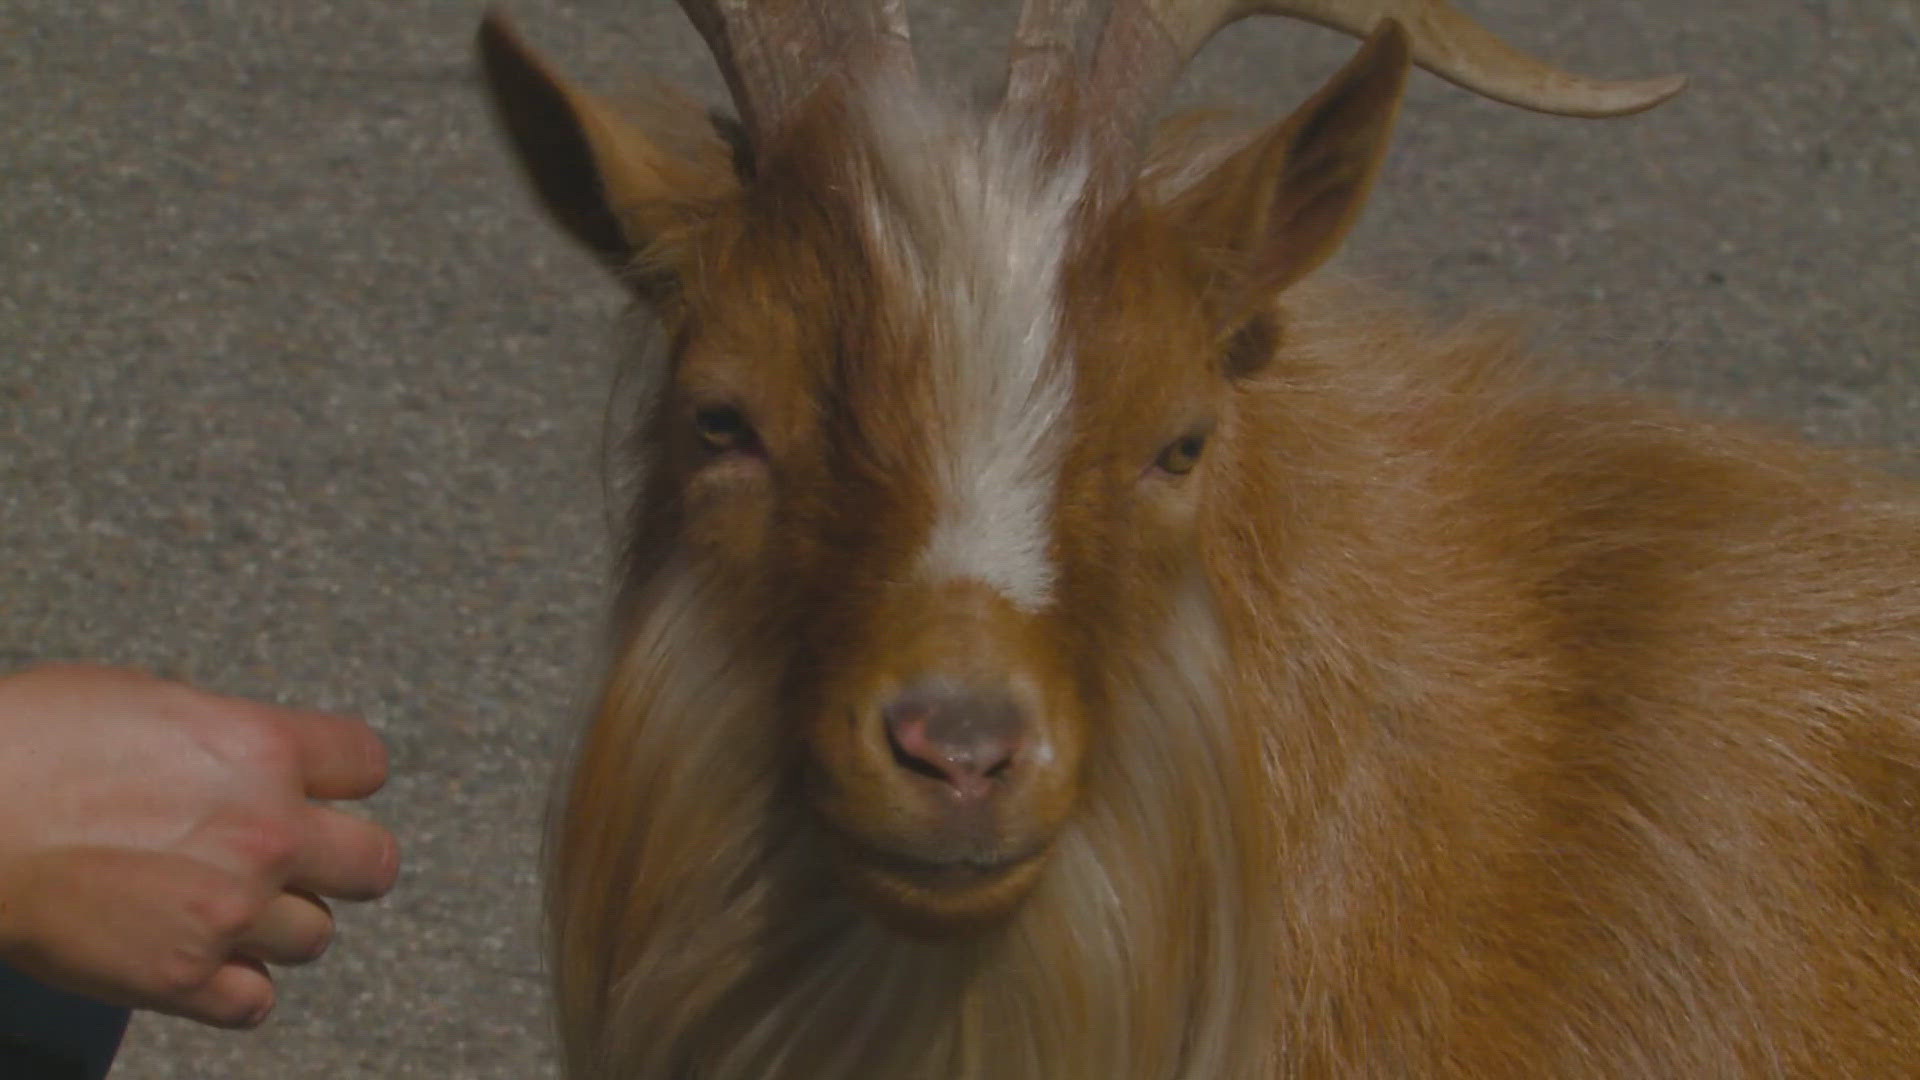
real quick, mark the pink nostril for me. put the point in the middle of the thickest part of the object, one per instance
(961, 735)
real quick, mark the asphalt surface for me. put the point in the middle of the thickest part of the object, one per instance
(300, 399)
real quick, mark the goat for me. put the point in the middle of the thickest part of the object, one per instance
(1057, 640)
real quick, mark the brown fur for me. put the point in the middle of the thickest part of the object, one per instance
(1444, 721)
(1593, 730)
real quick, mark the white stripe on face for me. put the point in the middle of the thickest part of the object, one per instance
(979, 225)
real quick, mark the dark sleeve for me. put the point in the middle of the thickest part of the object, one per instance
(46, 1034)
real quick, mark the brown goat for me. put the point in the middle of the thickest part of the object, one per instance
(1058, 644)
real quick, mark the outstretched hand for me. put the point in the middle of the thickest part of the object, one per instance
(160, 845)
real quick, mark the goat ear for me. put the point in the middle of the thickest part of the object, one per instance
(1279, 207)
(607, 183)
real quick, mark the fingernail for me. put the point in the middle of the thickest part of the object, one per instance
(320, 947)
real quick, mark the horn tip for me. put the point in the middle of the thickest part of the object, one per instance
(1588, 99)
(1643, 94)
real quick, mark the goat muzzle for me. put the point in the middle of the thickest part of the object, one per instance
(946, 764)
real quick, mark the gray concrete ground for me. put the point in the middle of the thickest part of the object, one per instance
(299, 399)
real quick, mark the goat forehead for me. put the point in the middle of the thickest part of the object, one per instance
(971, 221)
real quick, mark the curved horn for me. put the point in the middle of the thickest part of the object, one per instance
(774, 52)
(1146, 43)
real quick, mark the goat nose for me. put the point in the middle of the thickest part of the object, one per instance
(963, 735)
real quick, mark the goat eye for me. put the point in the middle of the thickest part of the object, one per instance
(1182, 454)
(724, 427)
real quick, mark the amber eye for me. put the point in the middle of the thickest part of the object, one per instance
(1182, 454)
(724, 427)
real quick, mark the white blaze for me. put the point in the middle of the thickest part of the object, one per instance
(978, 224)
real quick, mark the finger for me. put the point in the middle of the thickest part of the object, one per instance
(293, 928)
(340, 757)
(344, 856)
(239, 995)
(127, 927)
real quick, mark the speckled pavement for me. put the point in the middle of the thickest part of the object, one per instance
(300, 399)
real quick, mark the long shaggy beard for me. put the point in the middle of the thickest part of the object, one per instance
(698, 933)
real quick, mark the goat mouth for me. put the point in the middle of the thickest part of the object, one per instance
(940, 874)
(938, 897)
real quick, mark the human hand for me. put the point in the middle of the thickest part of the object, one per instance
(159, 845)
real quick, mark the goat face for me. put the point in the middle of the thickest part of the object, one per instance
(937, 427)
(914, 424)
